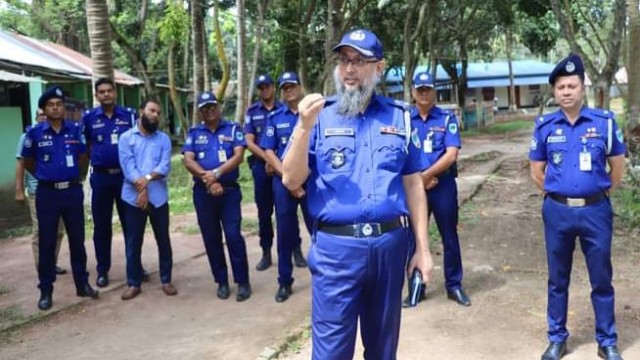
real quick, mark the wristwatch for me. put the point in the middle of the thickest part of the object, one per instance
(148, 177)
(216, 173)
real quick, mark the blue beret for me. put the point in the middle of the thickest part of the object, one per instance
(288, 77)
(53, 92)
(206, 98)
(264, 79)
(363, 41)
(571, 65)
(423, 79)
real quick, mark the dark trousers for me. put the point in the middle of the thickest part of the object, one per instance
(443, 204)
(215, 214)
(357, 279)
(51, 204)
(136, 220)
(593, 226)
(263, 194)
(288, 228)
(106, 189)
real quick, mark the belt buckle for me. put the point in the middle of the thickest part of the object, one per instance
(369, 229)
(576, 202)
(114, 171)
(62, 185)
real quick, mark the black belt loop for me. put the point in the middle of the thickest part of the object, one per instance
(360, 230)
(576, 202)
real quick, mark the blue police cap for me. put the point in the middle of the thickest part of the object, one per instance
(264, 79)
(206, 98)
(53, 92)
(571, 65)
(363, 41)
(288, 77)
(423, 79)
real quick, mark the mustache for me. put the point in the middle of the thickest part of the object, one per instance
(352, 101)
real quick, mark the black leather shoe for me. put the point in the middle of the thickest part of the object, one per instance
(45, 302)
(87, 291)
(298, 258)
(284, 291)
(264, 263)
(102, 280)
(609, 352)
(60, 271)
(554, 351)
(223, 291)
(459, 296)
(244, 292)
(145, 276)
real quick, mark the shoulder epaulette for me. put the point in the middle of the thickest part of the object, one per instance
(330, 100)
(253, 106)
(277, 111)
(605, 114)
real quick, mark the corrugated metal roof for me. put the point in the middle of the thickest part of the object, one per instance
(11, 77)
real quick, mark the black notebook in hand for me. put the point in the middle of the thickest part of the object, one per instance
(415, 287)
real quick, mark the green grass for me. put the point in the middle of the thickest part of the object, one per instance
(11, 314)
(501, 128)
(250, 225)
(15, 232)
(627, 206)
(4, 290)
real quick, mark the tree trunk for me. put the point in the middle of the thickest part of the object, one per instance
(99, 39)
(150, 90)
(262, 7)
(173, 92)
(241, 103)
(303, 44)
(222, 55)
(633, 66)
(335, 20)
(206, 69)
(513, 102)
(197, 36)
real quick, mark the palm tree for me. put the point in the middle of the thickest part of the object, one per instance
(100, 38)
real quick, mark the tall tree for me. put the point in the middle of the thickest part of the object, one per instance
(241, 104)
(197, 40)
(222, 55)
(633, 94)
(100, 39)
(580, 21)
(259, 28)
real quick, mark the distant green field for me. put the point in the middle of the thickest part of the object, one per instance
(501, 128)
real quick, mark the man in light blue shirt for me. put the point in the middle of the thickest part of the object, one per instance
(25, 179)
(145, 158)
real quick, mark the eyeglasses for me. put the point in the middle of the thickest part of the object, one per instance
(208, 108)
(359, 62)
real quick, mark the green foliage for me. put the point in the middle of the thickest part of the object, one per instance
(627, 205)
(174, 25)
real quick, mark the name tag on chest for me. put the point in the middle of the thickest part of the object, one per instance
(556, 139)
(339, 132)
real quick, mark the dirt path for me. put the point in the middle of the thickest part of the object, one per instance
(505, 276)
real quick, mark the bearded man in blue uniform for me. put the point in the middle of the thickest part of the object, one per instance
(570, 151)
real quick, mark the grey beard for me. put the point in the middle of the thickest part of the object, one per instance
(353, 102)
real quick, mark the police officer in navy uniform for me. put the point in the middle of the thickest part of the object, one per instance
(103, 126)
(435, 131)
(570, 151)
(280, 125)
(54, 152)
(362, 174)
(212, 153)
(254, 125)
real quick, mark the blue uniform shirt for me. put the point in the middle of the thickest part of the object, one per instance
(256, 119)
(56, 154)
(103, 133)
(435, 134)
(560, 145)
(141, 155)
(357, 164)
(214, 148)
(31, 184)
(280, 126)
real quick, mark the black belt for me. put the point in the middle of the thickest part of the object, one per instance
(225, 184)
(577, 202)
(59, 185)
(361, 229)
(105, 170)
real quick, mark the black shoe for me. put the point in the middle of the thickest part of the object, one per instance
(265, 262)
(555, 351)
(145, 276)
(102, 280)
(459, 296)
(45, 302)
(609, 352)
(284, 291)
(87, 291)
(223, 291)
(298, 258)
(244, 292)
(60, 271)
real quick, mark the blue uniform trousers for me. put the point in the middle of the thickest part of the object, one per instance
(357, 278)
(106, 188)
(215, 214)
(136, 220)
(263, 195)
(51, 204)
(288, 228)
(593, 225)
(443, 203)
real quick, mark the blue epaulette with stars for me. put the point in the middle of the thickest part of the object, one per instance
(604, 114)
